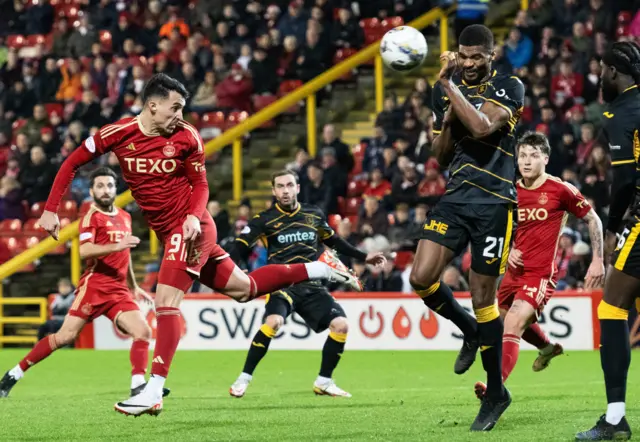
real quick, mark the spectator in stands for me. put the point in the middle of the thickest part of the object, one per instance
(38, 176)
(387, 280)
(333, 172)
(125, 30)
(319, 191)
(404, 187)
(567, 13)
(312, 57)
(11, 198)
(263, 73)
(331, 139)
(596, 177)
(49, 142)
(580, 42)
(71, 84)
(373, 220)
(205, 98)
(375, 147)
(390, 163)
(20, 151)
(592, 81)
(82, 39)
(39, 16)
(287, 60)
(433, 184)
(578, 265)
(600, 15)
(59, 308)
(587, 142)
(346, 32)
(500, 61)
(565, 251)
(518, 48)
(19, 101)
(48, 81)
(88, 110)
(454, 280)
(391, 116)
(567, 85)
(5, 122)
(400, 230)
(33, 127)
(294, 22)
(234, 92)
(221, 217)
(378, 186)
(345, 231)
(299, 165)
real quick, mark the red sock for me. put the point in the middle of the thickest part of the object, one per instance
(139, 357)
(43, 348)
(168, 337)
(535, 336)
(274, 277)
(510, 350)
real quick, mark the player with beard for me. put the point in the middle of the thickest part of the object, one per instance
(476, 112)
(620, 79)
(294, 233)
(107, 287)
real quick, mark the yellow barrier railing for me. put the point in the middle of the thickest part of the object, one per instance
(35, 320)
(234, 135)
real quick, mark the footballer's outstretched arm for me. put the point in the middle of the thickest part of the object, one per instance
(481, 123)
(595, 233)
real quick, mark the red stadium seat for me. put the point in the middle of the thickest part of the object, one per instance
(16, 246)
(194, 118)
(352, 206)
(15, 41)
(37, 209)
(236, 118)
(340, 56)
(356, 188)
(32, 228)
(334, 220)
(390, 23)
(372, 30)
(403, 259)
(262, 101)
(286, 87)
(106, 43)
(68, 209)
(213, 119)
(11, 227)
(35, 40)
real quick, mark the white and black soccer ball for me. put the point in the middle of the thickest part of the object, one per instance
(403, 48)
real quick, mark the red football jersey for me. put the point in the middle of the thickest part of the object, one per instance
(542, 213)
(103, 228)
(166, 174)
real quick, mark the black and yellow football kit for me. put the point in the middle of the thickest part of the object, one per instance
(622, 131)
(290, 238)
(478, 204)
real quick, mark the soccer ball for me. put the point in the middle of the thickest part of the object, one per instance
(403, 48)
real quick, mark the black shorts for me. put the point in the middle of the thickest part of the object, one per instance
(626, 257)
(487, 227)
(312, 302)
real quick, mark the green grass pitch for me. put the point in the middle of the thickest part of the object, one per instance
(413, 396)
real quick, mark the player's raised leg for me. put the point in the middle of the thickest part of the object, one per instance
(430, 261)
(548, 350)
(67, 334)
(277, 308)
(331, 355)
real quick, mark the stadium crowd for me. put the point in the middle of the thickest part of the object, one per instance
(67, 67)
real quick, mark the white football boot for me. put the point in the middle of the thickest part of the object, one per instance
(240, 386)
(140, 404)
(329, 389)
(339, 272)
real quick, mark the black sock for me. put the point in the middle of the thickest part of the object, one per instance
(331, 353)
(439, 298)
(615, 357)
(490, 329)
(258, 349)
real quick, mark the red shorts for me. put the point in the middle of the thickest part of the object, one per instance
(204, 260)
(532, 289)
(94, 299)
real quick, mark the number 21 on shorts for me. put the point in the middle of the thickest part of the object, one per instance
(178, 249)
(490, 251)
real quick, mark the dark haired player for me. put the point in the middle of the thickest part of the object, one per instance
(620, 79)
(105, 288)
(162, 161)
(296, 232)
(544, 203)
(476, 111)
